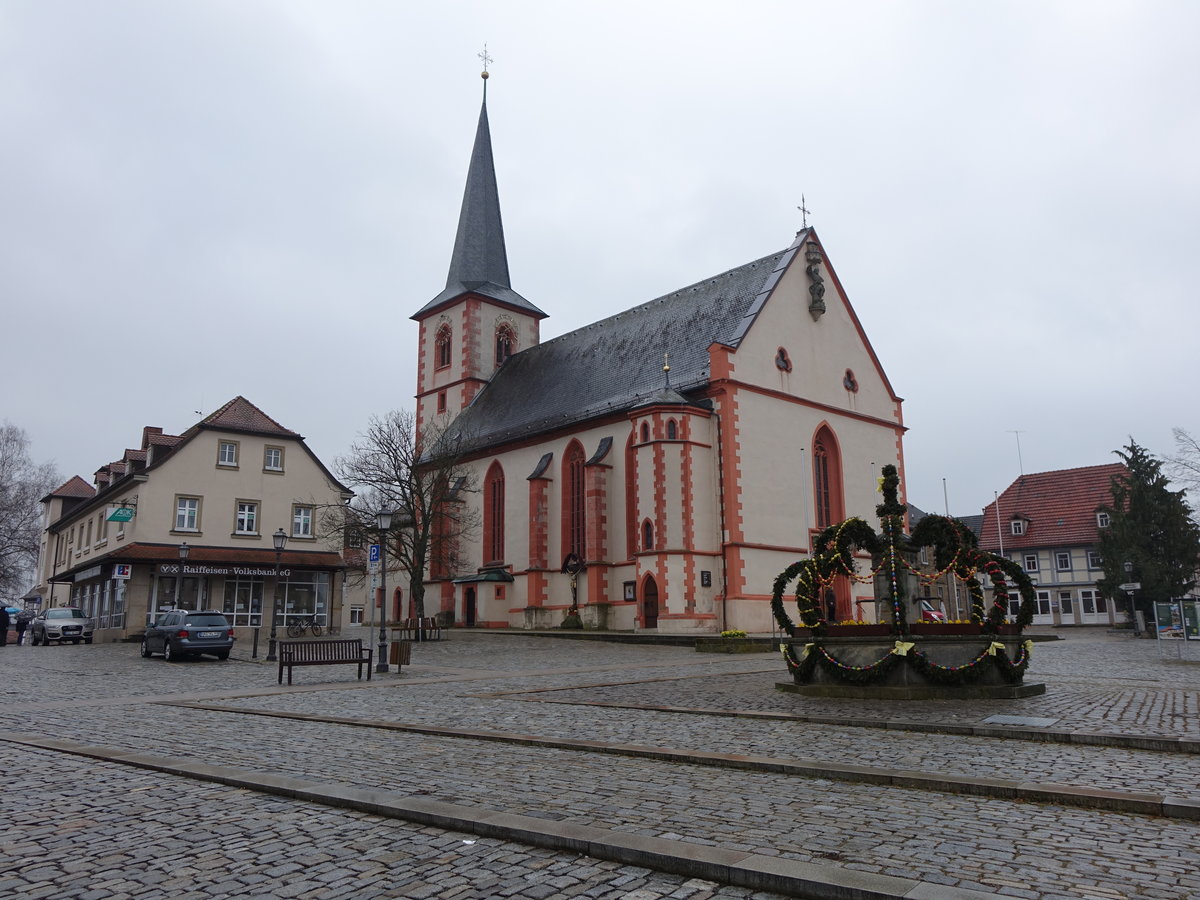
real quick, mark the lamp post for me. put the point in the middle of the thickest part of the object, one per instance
(184, 550)
(384, 521)
(280, 539)
(1128, 567)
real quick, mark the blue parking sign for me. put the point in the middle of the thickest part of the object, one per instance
(374, 557)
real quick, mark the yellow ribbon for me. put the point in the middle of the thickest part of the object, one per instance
(804, 653)
(902, 647)
(996, 645)
(1028, 645)
(783, 648)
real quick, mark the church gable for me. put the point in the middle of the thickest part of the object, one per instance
(803, 338)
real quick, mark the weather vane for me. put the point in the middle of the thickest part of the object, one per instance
(804, 211)
(485, 59)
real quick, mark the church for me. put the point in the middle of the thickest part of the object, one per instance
(658, 468)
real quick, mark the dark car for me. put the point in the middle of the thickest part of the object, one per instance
(182, 633)
(62, 624)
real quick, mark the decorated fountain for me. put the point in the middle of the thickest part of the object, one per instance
(900, 656)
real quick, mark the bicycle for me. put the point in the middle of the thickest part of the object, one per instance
(297, 627)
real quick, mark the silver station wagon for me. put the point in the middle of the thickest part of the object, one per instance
(182, 633)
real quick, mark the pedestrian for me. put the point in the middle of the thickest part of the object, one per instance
(23, 619)
(4, 623)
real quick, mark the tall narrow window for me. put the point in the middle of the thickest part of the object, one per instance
(493, 515)
(506, 343)
(827, 479)
(302, 521)
(647, 535)
(672, 430)
(247, 518)
(187, 513)
(574, 522)
(443, 346)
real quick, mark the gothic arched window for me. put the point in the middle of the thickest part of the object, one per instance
(493, 515)
(443, 346)
(506, 343)
(827, 479)
(647, 535)
(574, 519)
(672, 430)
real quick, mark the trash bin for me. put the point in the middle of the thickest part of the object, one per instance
(400, 653)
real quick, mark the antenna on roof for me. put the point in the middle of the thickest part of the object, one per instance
(1020, 462)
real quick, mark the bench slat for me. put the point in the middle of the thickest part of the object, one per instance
(323, 653)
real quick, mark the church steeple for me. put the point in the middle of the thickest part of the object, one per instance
(479, 263)
(478, 322)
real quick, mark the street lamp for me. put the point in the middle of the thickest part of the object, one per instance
(1128, 567)
(280, 539)
(384, 521)
(184, 550)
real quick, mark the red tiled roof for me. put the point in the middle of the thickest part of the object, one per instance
(1059, 508)
(75, 487)
(239, 414)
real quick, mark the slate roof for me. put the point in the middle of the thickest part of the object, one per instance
(1060, 508)
(616, 364)
(479, 263)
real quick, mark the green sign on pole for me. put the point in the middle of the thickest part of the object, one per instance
(120, 514)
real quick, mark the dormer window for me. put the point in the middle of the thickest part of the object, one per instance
(1018, 526)
(1102, 520)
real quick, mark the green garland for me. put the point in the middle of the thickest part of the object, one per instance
(956, 552)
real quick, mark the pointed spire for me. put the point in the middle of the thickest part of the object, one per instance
(479, 263)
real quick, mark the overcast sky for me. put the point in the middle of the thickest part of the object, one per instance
(205, 199)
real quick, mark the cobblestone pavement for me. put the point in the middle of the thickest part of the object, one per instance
(105, 695)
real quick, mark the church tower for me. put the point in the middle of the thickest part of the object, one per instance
(478, 321)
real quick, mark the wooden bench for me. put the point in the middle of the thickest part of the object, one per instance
(426, 629)
(324, 653)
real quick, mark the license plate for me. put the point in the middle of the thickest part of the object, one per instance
(209, 634)
(72, 629)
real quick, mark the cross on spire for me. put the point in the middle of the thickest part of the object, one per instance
(804, 211)
(485, 59)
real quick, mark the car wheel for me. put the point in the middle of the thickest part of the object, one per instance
(224, 654)
(145, 649)
(33, 639)
(168, 654)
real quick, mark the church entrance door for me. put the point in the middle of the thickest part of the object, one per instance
(469, 608)
(650, 603)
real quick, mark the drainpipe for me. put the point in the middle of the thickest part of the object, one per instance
(721, 515)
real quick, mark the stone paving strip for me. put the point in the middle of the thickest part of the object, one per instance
(1093, 770)
(962, 842)
(102, 831)
(1146, 803)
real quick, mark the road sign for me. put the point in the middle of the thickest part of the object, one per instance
(1131, 586)
(374, 557)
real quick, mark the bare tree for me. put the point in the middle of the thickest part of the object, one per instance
(22, 486)
(421, 480)
(1184, 466)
